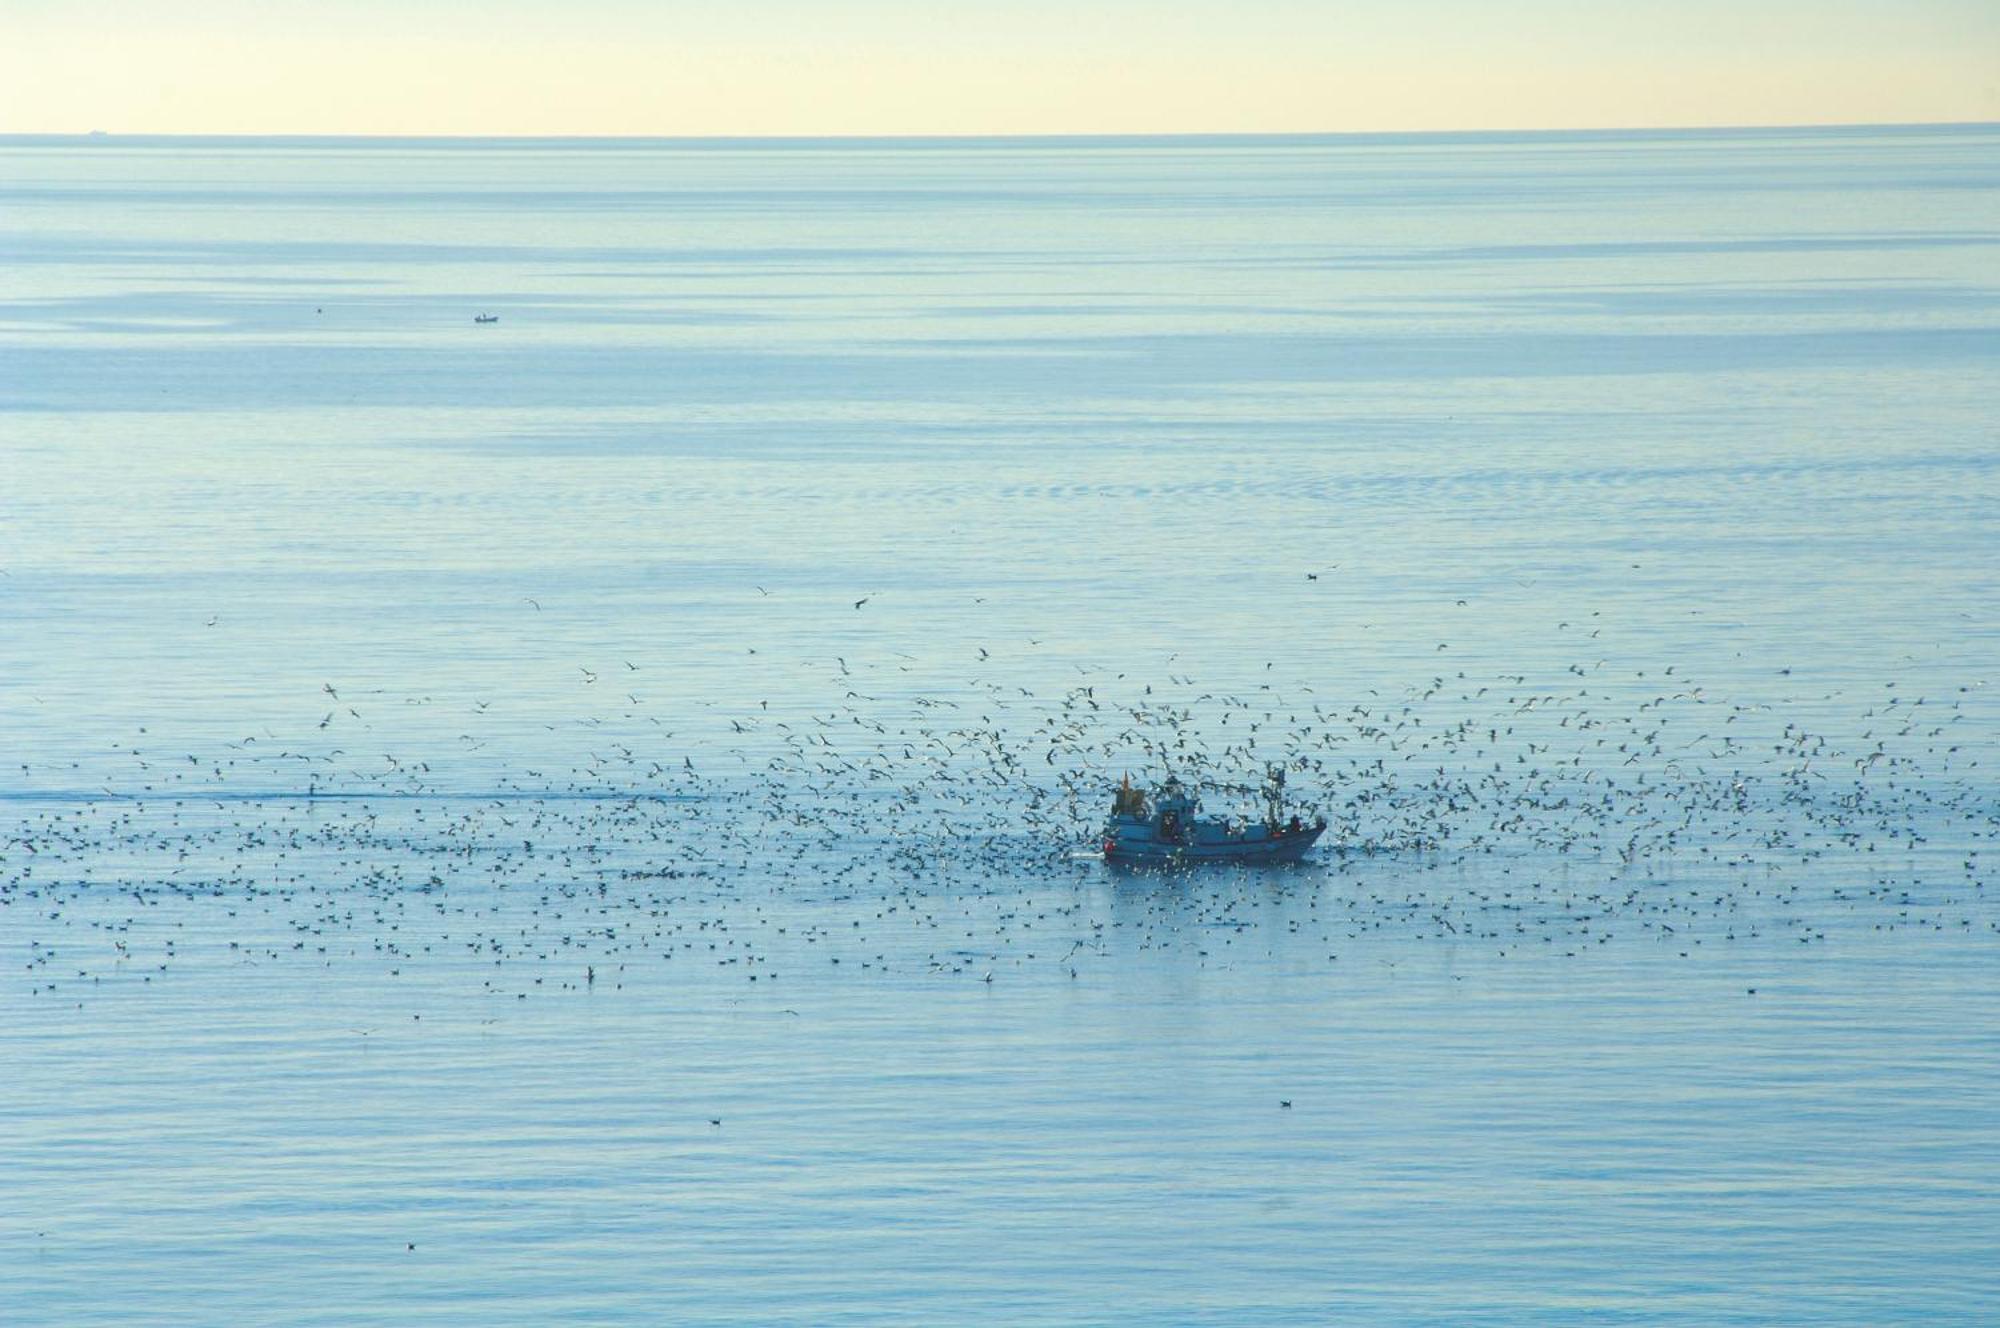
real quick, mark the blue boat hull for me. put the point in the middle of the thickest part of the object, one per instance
(1124, 847)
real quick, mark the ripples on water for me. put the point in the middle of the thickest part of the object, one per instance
(1599, 525)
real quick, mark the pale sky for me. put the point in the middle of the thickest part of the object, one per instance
(800, 67)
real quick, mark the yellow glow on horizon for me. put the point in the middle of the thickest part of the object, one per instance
(301, 69)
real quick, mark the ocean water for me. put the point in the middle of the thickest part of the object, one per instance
(588, 817)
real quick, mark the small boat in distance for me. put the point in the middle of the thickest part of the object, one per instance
(1169, 830)
(486, 318)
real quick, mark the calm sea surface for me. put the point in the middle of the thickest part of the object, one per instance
(585, 818)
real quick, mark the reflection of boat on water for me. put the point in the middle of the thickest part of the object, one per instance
(1168, 828)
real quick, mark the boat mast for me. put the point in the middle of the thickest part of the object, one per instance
(1274, 795)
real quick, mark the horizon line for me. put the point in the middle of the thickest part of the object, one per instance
(1080, 138)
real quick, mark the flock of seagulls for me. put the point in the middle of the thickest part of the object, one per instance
(947, 832)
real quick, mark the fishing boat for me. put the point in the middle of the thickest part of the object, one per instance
(1168, 829)
(486, 318)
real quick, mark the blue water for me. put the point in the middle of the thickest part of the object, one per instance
(444, 767)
